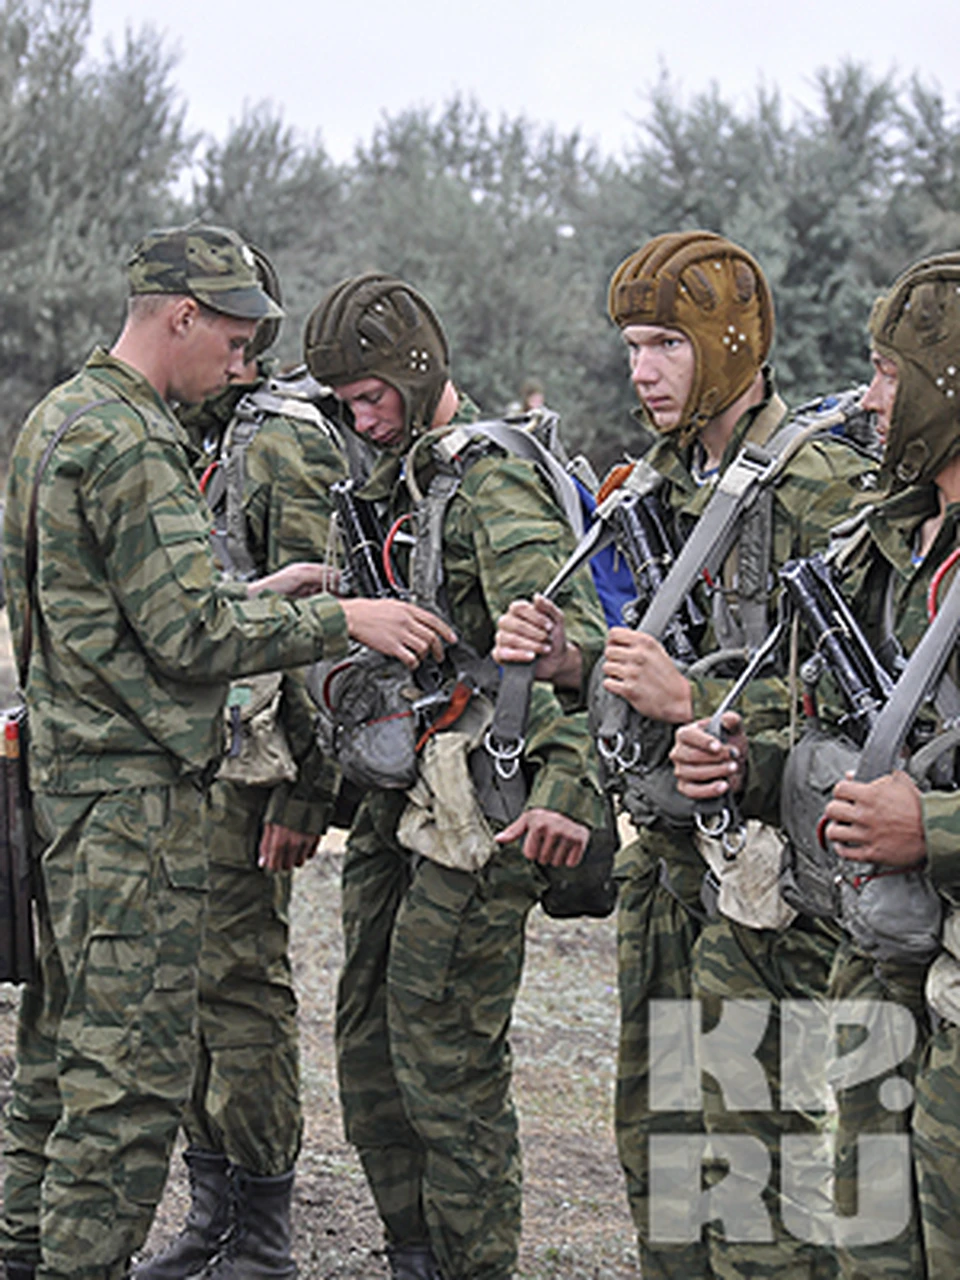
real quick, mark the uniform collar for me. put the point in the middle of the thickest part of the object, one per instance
(676, 463)
(131, 385)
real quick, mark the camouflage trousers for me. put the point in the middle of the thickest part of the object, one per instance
(655, 938)
(879, 1105)
(106, 1041)
(432, 965)
(762, 967)
(936, 1150)
(246, 1095)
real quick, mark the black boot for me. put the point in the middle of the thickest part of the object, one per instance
(412, 1262)
(259, 1246)
(207, 1222)
(20, 1270)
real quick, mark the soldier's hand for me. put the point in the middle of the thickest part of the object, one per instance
(703, 765)
(879, 821)
(536, 629)
(398, 629)
(550, 838)
(298, 580)
(282, 849)
(638, 668)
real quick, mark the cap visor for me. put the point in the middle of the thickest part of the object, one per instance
(244, 304)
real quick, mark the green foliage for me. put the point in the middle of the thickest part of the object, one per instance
(89, 156)
(512, 230)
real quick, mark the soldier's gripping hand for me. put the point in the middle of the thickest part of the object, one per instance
(297, 580)
(535, 629)
(282, 849)
(704, 766)
(397, 629)
(638, 668)
(879, 821)
(549, 838)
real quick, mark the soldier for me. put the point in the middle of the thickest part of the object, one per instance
(433, 952)
(134, 641)
(278, 456)
(696, 315)
(912, 540)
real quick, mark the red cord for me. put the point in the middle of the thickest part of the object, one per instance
(208, 472)
(937, 581)
(388, 550)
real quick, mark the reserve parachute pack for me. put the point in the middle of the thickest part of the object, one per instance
(890, 913)
(258, 753)
(429, 733)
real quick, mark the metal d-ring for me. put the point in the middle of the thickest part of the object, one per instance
(713, 826)
(506, 756)
(609, 746)
(733, 841)
(629, 762)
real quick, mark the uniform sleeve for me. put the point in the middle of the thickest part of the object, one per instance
(510, 529)
(825, 483)
(291, 466)
(149, 523)
(941, 827)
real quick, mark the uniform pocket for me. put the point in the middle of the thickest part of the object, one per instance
(428, 927)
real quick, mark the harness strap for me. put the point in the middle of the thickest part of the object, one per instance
(237, 439)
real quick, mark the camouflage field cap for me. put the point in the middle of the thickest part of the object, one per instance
(211, 264)
(917, 326)
(715, 293)
(375, 325)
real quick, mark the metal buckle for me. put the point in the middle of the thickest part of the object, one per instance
(505, 755)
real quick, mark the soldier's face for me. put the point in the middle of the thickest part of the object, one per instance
(662, 368)
(882, 392)
(377, 410)
(210, 353)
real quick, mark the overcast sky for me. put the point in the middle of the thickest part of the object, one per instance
(337, 67)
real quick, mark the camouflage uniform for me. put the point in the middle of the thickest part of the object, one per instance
(246, 1098)
(893, 528)
(433, 956)
(934, 1145)
(668, 950)
(134, 644)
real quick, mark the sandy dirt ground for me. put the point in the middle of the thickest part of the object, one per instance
(576, 1222)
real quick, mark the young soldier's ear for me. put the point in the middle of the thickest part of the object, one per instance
(182, 315)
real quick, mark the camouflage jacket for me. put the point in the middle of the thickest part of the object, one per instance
(821, 484)
(134, 637)
(288, 468)
(504, 538)
(894, 526)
